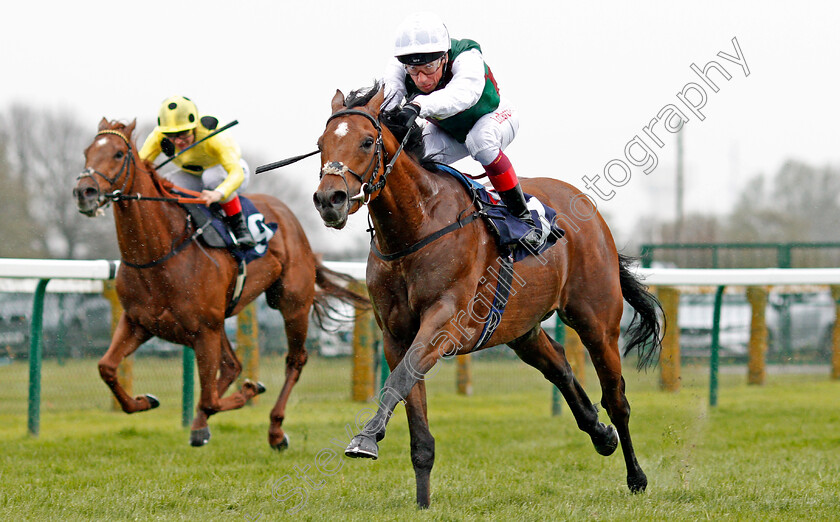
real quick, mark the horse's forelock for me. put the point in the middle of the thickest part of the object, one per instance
(414, 146)
(361, 96)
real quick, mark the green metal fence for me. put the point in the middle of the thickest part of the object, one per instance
(742, 255)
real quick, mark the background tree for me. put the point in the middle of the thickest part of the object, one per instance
(44, 150)
(800, 203)
(19, 232)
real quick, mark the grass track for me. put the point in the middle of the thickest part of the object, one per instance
(764, 453)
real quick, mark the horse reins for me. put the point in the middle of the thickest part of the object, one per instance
(118, 195)
(337, 168)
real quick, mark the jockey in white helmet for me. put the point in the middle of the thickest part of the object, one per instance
(446, 82)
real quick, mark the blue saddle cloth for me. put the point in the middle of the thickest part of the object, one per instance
(509, 229)
(218, 235)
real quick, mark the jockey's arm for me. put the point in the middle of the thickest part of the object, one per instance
(228, 154)
(151, 147)
(394, 84)
(462, 91)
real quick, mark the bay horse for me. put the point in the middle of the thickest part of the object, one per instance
(426, 287)
(173, 288)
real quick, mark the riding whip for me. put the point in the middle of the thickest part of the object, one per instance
(283, 163)
(226, 127)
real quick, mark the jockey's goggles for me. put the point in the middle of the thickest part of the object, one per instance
(428, 69)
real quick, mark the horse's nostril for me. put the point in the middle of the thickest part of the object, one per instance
(90, 192)
(338, 198)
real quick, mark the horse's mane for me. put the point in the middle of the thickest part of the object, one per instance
(414, 146)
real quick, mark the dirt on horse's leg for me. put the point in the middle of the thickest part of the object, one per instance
(549, 357)
(127, 338)
(296, 326)
(422, 442)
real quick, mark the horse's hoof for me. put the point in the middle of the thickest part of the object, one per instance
(638, 483)
(363, 447)
(200, 437)
(260, 387)
(606, 444)
(153, 401)
(283, 444)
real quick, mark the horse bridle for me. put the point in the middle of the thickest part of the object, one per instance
(337, 168)
(118, 195)
(89, 172)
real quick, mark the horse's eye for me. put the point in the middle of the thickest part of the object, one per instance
(367, 143)
(118, 155)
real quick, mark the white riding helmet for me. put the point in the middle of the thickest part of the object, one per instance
(421, 38)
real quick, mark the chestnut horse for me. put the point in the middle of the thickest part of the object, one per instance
(426, 288)
(182, 295)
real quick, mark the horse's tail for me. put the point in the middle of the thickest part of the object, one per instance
(645, 331)
(329, 289)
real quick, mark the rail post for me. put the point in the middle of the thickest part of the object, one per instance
(756, 367)
(247, 345)
(556, 396)
(835, 335)
(35, 330)
(187, 386)
(715, 356)
(463, 374)
(669, 356)
(364, 351)
(575, 355)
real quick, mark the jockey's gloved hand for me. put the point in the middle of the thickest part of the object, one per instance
(167, 147)
(408, 114)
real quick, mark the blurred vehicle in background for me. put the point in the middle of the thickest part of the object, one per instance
(74, 324)
(799, 325)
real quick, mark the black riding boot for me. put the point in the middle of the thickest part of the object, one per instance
(514, 200)
(243, 237)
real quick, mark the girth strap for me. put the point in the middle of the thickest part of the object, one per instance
(461, 223)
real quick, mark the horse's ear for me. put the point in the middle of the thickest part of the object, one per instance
(337, 101)
(130, 127)
(103, 124)
(375, 104)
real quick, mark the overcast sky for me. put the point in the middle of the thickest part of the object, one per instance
(586, 78)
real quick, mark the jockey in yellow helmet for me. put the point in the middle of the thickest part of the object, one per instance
(214, 167)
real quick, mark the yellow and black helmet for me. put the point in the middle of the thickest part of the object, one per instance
(177, 114)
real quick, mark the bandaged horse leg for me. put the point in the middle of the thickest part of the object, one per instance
(411, 369)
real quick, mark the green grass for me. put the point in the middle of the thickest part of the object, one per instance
(764, 453)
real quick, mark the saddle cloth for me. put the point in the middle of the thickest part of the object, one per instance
(507, 228)
(217, 234)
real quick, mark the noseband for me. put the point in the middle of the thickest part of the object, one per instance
(89, 172)
(337, 168)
